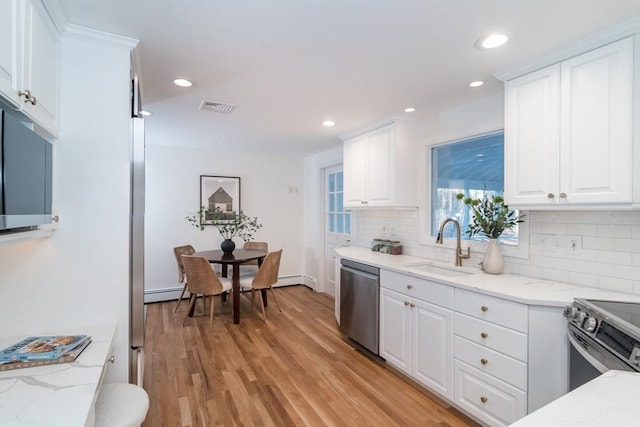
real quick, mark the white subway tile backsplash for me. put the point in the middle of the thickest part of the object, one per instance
(626, 272)
(608, 253)
(599, 243)
(613, 284)
(619, 258)
(598, 269)
(627, 245)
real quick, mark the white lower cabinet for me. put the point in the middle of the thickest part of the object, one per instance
(416, 334)
(497, 360)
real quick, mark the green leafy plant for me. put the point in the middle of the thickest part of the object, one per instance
(229, 225)
(491, 217)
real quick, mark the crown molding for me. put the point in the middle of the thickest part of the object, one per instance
(79, 32)
(617, 32)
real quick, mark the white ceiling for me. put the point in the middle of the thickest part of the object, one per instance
(290, 64)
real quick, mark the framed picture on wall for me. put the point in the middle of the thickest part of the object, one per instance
(220, 195)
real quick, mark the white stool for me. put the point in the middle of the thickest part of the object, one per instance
(121, 405)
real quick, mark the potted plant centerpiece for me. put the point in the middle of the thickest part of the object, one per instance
(229, 225)
(490, 217)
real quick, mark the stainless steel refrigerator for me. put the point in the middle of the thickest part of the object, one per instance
(136, 246)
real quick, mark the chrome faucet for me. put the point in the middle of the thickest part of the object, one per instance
(459, 255)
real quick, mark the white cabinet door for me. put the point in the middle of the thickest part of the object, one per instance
(380, 179)
(395, 329)
(532, 135)
(569, 132)
(355, 171)
(596, 125)
(41, 68)
(433, 347)
(9, 48)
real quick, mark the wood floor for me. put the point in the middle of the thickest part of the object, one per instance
(294, 370)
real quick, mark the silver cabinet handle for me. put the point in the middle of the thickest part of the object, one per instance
(563, 195)
(27, 96)
(112, 359)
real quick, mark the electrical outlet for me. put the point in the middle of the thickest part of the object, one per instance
(574, 246)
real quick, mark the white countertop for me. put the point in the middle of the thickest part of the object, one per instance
(612, 399)
(513, 287)
(61, 395)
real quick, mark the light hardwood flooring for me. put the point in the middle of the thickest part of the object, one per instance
(293, 370)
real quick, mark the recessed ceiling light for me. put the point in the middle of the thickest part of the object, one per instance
(477, 83)
(491, 41)
(328, 123)
(145, 113)
(182, 82)
(409, 110)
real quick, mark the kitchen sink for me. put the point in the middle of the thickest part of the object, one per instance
(442, 270)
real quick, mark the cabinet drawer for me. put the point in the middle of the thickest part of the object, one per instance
(491, 362)
(503, 340)
(486, 398)
(496, 310)
(427, 290)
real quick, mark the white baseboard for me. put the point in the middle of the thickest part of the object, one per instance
(173, 293)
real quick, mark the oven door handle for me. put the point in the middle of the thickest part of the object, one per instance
(588, 357)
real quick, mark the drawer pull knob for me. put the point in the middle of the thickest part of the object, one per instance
(406, 303)
(484, 335)
(484, 361)
(409, 286)
(412, 305)
(112, 359)
(484, 308)
(483, 399)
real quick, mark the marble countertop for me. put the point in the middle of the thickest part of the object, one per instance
(513, 287)
(56, 395)
(612, 399)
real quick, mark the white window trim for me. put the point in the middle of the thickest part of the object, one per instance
(424, 209)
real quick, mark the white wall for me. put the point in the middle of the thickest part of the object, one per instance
(80, 275)
(173, 191)
(313, 215)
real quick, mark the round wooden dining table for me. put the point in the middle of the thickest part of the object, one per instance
(234, 259)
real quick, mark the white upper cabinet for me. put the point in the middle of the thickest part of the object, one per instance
(30, 62)
(380, 167)
(9, 12)
(569, 139)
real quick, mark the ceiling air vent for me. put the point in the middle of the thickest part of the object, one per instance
(217, 107)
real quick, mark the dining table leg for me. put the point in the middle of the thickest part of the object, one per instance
(236, 292)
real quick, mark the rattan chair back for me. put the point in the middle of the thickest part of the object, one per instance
(202, 279)
(267, 274)
(178, 251)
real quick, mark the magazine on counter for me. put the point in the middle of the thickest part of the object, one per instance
(68, 357)
(42, 347)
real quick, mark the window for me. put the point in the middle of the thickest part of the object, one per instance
(470, 167)
(339, 221)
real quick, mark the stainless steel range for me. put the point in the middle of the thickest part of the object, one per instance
(604, 335)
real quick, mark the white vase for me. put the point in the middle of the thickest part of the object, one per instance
(493, 261)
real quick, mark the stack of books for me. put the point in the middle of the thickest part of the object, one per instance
(43, 350)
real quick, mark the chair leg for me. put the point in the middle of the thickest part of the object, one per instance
(212, 302)
(264, 316)
(192, 301)
(253, 296)
(180, 299)
(275, 299)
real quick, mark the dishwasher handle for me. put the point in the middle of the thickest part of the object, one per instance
(360, 272)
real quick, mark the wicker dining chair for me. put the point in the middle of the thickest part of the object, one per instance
(265, 278)
(251, 268)
(178, 252)
(204, 281)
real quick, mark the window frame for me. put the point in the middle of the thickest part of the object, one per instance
(521, 250)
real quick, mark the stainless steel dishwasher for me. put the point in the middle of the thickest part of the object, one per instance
(359, 303)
